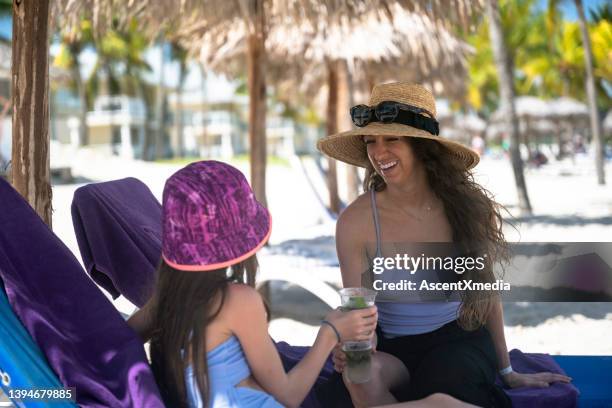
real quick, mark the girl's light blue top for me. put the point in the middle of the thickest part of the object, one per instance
(227, 367)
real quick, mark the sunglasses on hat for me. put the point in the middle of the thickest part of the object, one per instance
(395, 112)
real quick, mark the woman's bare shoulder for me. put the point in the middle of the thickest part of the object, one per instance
(356, 215)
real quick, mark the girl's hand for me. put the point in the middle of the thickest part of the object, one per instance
(356, 325)
(538, 380)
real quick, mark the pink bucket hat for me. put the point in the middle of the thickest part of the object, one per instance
(211, 218)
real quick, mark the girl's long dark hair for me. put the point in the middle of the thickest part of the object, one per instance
(185, 303)
(473, 214)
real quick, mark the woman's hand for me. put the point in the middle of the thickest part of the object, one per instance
(339, 358)
(538, 380)
(356, 325)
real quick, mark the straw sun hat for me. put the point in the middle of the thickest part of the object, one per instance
(349, 146)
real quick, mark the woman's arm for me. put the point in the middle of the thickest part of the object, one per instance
(247, 319)
(350, 246)
(351, 251)
(495, 325)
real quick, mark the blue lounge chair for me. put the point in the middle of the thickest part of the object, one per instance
(25, 366)
(592, 375)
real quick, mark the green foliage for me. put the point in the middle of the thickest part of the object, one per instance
(6, 8)
(602, 13)
(517, 22)
(120, 64)
(547, 53)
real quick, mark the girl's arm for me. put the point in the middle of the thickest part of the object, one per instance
(247, 319)
(141, 321)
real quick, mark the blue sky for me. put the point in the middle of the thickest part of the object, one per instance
(569, 10)
(5, 27)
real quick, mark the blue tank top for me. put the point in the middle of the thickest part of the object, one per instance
(227, 366)
(397, 319)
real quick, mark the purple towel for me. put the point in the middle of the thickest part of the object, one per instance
(118, 229)
(83, 337)
(291, 355)
(558, 395)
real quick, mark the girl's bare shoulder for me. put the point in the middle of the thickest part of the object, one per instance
(242, 296)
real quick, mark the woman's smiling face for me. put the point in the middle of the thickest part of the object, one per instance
(392, 158)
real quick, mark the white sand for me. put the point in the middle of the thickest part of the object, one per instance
(568, 207)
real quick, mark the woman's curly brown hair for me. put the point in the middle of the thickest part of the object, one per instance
(475, 219)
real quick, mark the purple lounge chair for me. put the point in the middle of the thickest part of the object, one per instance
(83, 337)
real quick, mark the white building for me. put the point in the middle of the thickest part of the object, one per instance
(218, 128)
(117, 122)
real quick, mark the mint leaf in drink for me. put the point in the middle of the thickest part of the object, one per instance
(357, 302)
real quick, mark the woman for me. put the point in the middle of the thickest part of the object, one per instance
(419, 189)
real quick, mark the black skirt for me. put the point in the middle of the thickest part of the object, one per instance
(448, 360)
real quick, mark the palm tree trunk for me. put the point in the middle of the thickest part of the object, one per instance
(80, 88)
(30, 173)
(257, 104)
(506, 91)
(591, 97)
(332, 127)
(204, 111)
(179, 148)
(149, 133)
(159, 107)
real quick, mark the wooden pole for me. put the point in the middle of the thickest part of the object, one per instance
(345, 101)
(257, 104)
(30, 172)
(332, 127)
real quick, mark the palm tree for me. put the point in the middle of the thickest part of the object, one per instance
(160, 100)
(121, 66)
(591, 95)
(505, 73)
(30, 173)
(73, 42)
(179, 54)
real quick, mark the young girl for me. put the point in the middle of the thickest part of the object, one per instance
(209, 341)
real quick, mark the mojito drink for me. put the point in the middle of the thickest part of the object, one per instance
(356, 298)
(358, 361)
(358, 353)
